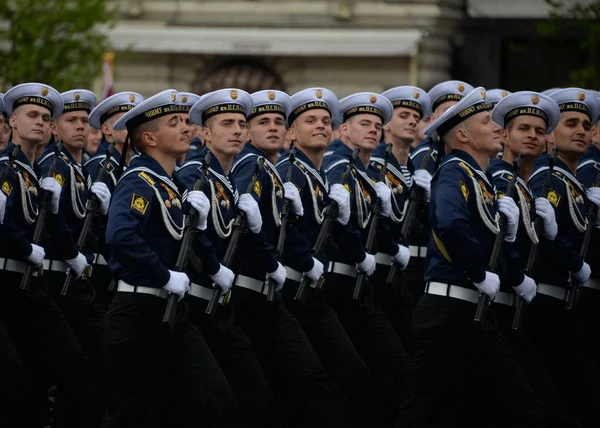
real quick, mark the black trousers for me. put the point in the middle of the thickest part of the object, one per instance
(376, 341)
(332, 344)
(565, 349)
(306, 394)
(161, 377)
(47, 347)
(533, 366)
(464, 373)
(398, 300)
(238, 360)
(17, 392)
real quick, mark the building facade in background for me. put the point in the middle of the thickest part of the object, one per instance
(344, 45)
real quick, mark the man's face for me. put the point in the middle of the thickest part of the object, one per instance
(267, 132)
(364, 130)
(31, 123)
(526, 135)
(484, 133)
(4, 131)
(226, 133)
(93, 141)
(312, 130)
(172, 135)
(72, 128)
(423, 123)
(112, 135)
(403, 124)
(573, 134)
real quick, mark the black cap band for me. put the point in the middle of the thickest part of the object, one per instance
(363, 110)
(526, 111)
(463, 115)
(413, 105)
(222, 108)
(151, 114)
(575, 106)
(39, 101)
(306, 107)
(115, 110)
(444, 98)
(266, 108)
(77, 106)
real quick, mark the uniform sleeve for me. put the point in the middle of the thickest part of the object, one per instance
(242, 174)
(207, 253)
(299, 237)
(349, 236)
(451, 220)
(188, 174)
(125, 230)
(63, 235)
(560, 251)
(12, 235)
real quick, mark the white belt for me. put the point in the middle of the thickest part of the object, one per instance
(417, 251)
(454, 291)
(55, 265)
(383, 259)
(206, 293)
(293, 274)
(99, 260)
(12, 265)
(342, 269)
(590, 283)
(552, 291)
(126, 288)
(508, 299)
(251, 284)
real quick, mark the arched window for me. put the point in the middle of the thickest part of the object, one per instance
(249, 74)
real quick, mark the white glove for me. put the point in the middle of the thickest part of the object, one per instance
(402, 256)
(384, 193)
(490, 285)
(201, 204)
(36, 257)
(78, 265)
(367, 265)
(2, 206)
(342, 198)
(178, 284)
(583, 274)
(316, 272)
(278, 276)
(527, 289)
(103, 194)
(593, 194)
(223, 278)
(50, 184)
(422, 178)
(507, 206)
(247, 204)
(291, 193)
(544, 209)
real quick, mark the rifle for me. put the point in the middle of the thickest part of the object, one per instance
(91, 206)
(408, 222)
(41, 221)
(370, 244)
(239, 226)
(11, 158)
(484, 301)
(538, 227)
(191, 218)
(329, 215)
(285, 211)
(592, 212)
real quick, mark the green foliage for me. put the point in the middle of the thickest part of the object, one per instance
(57, 42)
(583, 16)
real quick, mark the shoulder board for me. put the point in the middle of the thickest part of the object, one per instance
(151, 175)
(336, 163)
(147, 178)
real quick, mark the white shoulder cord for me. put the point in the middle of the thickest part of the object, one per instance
(492, 225)
(572, 207)
(216, 215)
(26, 200)
(529, 225)
(75, 197)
